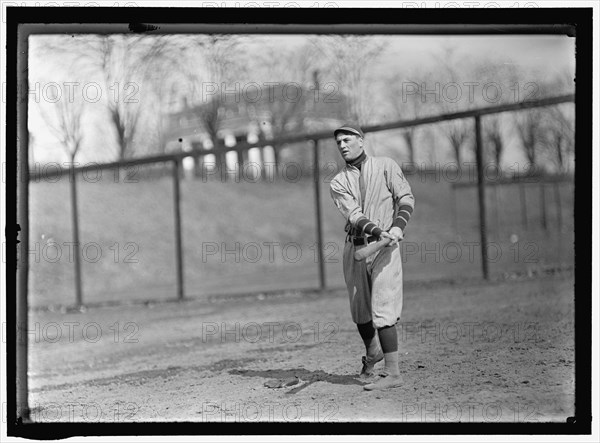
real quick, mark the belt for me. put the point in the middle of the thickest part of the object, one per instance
(360, 241)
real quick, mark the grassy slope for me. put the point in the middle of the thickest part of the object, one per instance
(136, 219)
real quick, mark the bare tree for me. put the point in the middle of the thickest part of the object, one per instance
(123, 63)
(163, 81)
(213, 65)
(212, 70)
(351, 58)
(492, 130)
(407, 104)
(456, 131)
(559, 123)
(290, 73)
(63, 116)
(547, 133)
(530, 131)
(126, 62)
(494, 76)
(528, 123)
(293, 80)
(560, 135)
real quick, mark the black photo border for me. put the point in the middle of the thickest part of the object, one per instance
(24, 21)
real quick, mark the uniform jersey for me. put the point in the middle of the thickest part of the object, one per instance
(385, 191)
(374, 285)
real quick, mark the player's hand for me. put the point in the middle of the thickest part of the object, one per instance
(387, 235)
(396, 234)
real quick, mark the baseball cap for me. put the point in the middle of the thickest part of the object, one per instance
(353, 128)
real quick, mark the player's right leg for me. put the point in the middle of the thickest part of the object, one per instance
(373, 350)
(357, 283)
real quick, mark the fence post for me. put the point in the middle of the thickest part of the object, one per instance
(75, 224)
(481, 195)
(178, 249)
(317, 180)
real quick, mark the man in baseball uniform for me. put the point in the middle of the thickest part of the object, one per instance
(376, 200)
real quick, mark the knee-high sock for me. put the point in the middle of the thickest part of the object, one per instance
(367, 333)
(388, 336)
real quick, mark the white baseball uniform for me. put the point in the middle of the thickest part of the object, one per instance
(375, 284)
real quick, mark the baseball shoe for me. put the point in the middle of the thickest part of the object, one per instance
(368, 368)
(386, 381)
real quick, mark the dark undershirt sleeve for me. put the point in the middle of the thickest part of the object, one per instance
(364, 225)
(403, 217)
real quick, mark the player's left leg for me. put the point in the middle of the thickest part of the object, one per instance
(390, 377)
(386, 299)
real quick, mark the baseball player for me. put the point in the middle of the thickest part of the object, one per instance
(377, 202)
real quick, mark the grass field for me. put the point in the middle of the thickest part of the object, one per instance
(251, 237)
(470, 352)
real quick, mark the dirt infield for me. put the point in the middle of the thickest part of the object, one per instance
(498, 352)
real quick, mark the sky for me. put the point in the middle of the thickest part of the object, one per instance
(544, 51)
(404, 53)
(533, 51)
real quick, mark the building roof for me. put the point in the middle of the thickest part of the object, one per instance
(273, 110)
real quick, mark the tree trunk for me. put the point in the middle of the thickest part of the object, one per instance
(275, 167)
(559, 155)
(408, 138)
(456, 148)
(497, 152)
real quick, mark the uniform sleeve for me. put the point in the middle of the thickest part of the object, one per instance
(404, 201)
(351, 210)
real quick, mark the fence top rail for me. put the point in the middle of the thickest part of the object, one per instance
(94, 166)
(314, 136)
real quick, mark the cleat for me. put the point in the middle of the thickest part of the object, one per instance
(369, 364)
(385, 381)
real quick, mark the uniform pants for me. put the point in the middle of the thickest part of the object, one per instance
(374, 285)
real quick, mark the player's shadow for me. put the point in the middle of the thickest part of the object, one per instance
(305, 377)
